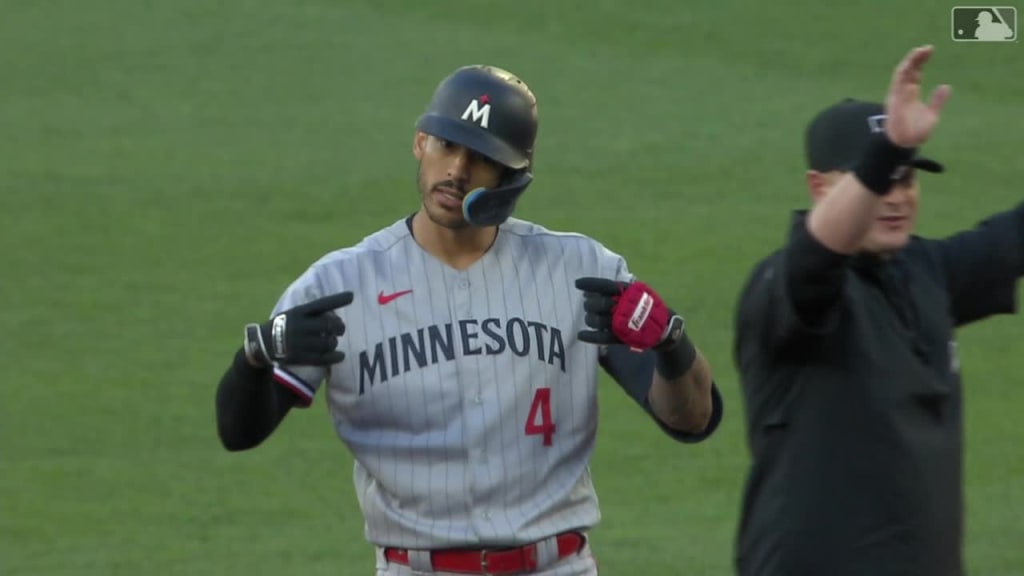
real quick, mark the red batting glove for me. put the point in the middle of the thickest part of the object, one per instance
(623, 313)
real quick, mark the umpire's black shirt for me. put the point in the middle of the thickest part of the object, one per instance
(852, 394)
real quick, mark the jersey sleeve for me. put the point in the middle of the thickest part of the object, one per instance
(614, 266)
(303, 381)
(981, 266)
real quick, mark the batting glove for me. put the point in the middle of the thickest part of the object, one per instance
(306, 335)
(627, 313)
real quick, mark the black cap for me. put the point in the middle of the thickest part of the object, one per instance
(838, 135)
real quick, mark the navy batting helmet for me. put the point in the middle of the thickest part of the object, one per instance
(494, 113)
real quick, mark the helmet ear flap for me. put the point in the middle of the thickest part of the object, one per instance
(493, 206)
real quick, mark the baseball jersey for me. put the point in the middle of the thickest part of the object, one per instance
(465, 398)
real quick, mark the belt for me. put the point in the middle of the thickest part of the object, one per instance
(491, 561)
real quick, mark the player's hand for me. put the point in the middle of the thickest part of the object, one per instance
(626, 313)
(909, 121)
(306, 335)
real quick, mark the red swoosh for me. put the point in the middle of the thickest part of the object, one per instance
(383, 298)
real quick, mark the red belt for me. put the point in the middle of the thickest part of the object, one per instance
(496, 561)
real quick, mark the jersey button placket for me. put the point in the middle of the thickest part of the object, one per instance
(462, 307)
(461, 296)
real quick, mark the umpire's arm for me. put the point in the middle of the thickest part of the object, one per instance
(981, 266)
(804, 283)
(812, 267)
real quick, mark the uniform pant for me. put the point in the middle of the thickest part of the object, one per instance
(579, 564)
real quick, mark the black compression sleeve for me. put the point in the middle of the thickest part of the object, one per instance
(633, 372)
(250, 404)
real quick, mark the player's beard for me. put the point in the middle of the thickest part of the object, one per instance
(437, 214)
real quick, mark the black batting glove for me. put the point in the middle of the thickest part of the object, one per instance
(306, 335)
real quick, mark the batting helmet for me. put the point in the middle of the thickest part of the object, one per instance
(492, 112)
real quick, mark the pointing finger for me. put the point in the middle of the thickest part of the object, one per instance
(324, 304)
(600, 285)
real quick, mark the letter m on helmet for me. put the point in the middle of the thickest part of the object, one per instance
(478, 114)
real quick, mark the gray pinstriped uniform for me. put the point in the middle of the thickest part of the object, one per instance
(440, 384)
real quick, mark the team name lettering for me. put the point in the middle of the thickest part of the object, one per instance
(433, 344)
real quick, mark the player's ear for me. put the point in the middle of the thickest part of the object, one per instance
(817, 185)
(419, 144)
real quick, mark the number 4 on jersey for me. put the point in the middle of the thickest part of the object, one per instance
(540, 409)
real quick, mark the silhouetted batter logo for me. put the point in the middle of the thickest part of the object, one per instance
(984, 24)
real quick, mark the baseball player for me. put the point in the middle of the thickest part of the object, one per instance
(458, 350)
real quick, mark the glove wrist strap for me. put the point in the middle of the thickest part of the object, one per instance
(676, 355)
(255, 352)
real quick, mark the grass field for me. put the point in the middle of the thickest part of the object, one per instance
(166, 168)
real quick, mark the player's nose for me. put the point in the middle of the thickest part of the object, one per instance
(458, 167)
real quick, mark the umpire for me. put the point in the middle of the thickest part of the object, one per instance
(846, 352)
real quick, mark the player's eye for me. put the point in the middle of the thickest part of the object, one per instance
(477, 158)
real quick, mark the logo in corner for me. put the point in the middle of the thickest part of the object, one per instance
(984, 24)
(479, 111)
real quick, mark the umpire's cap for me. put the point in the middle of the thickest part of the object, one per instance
(486, 109)
(838, 135)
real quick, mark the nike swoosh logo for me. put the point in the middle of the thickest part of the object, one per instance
(383, 298)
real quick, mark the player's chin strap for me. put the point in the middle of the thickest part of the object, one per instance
(492, 206)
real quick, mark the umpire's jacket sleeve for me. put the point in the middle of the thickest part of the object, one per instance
(796, 292)
(981, 266)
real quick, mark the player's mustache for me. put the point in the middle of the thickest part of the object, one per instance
(451, 184)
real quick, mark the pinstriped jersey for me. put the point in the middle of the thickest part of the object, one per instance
(465, 398)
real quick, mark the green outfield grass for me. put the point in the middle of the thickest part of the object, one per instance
(167, 168)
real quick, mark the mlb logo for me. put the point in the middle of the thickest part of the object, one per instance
(984, 24)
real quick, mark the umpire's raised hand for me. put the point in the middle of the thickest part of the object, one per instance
(306, 335)
(909, 120)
